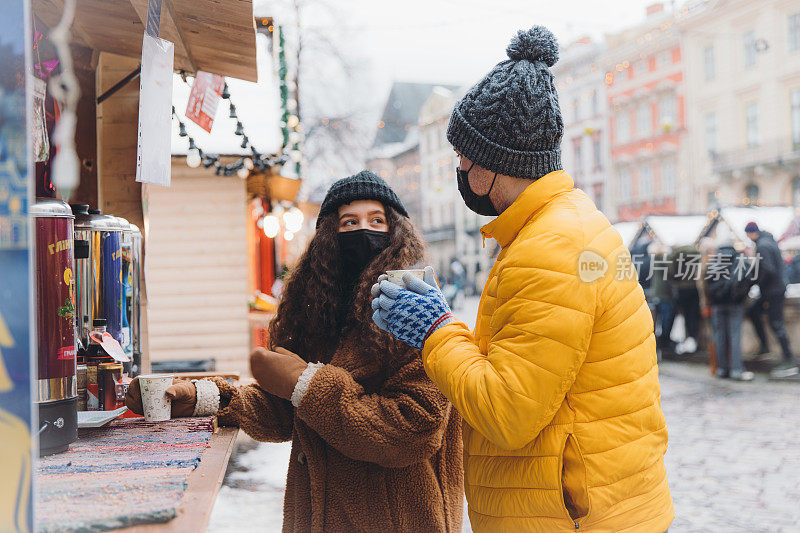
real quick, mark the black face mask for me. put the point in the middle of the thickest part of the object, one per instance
(480, 203)
(358, 248)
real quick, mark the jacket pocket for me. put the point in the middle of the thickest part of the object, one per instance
(574, 490)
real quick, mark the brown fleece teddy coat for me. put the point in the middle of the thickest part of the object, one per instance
(374, 448)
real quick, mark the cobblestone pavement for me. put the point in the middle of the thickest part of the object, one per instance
(733, 459)
(734, 452)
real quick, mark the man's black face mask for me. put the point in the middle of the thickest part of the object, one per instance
(479, 203)
(358, 248)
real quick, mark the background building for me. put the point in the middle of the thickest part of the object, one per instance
(451, 230)
(743, 88)
(582, 95)
(648, 138)
(395, 152)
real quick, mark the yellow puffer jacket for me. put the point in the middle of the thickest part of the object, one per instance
(559, 385)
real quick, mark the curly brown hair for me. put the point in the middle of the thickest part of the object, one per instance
(308, 320)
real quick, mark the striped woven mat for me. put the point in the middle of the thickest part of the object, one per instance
(129, 472)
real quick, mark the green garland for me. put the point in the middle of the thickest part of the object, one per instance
(283, 72)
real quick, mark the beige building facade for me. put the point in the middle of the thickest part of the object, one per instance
(743, 112)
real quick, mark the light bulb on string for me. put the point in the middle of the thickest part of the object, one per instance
(243, 173)
(245, 142)
(193, 158)
(293, 219)
(288, 235)
(233, 112)
(296, 156)
(239, 129)
(260, 223)
(292, 121)
(271, 226)
(294, 137)
(291, 104)
(248, 163)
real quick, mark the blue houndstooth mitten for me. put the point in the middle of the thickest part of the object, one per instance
(411, 314)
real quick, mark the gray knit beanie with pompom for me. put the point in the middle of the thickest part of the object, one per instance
(510, 121)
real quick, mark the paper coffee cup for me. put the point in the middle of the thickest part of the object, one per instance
(154, 396)
(396, 276)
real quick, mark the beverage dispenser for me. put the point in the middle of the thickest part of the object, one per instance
(132, 253)
(56, 389)
(98, 264)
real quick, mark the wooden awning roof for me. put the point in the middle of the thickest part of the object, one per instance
(211, 35)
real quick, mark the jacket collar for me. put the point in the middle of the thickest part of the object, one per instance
(504, 228)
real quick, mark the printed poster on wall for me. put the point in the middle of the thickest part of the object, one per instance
(17, 418)
(204, 99)
(154, 149)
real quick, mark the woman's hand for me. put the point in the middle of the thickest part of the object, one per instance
(277, 372)
(182, 393)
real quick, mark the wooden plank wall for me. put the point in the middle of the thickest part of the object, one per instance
(197, 268)
(117, 131)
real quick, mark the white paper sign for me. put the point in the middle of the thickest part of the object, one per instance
(154, 151)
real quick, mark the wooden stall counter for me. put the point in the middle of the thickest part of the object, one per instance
(136, 476)
(202, 487)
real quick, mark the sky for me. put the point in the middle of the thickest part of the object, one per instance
(457, 41)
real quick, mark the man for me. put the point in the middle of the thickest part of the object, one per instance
(559, 384)
(728, 283)
(772, 284)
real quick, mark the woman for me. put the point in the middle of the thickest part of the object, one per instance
(375, 447)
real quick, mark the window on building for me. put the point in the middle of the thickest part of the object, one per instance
(709, 63)
(751, 193)
(750, 50)
(625, 184)
(751, 124)
(795, 99)
(598, 156)
(576, 110)
(643, 123)
(646, 181)
(663, 59)
(595, 103)
(666, 112)
(668, 175)
(711, 133)
(796, 192)
(577, 155)
(623, 126)
(794, 32)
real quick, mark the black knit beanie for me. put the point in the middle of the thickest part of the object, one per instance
(363, 186)
(510, 121)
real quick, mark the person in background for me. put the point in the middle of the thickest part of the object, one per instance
(793, 269)
(707, 248)
(684, 269)
(558, 385)
(662, 293)
(728, 284)
(772, 284)
(375, 447)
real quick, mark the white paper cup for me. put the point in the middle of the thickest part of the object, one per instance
(396, 276)
(154, 398)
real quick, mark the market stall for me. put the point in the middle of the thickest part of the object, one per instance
(95, 85)
(670, 231)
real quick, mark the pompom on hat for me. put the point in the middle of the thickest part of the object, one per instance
(510, 121)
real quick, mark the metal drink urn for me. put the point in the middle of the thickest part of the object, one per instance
(98, 264)
(131, 266)
(56, 390)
